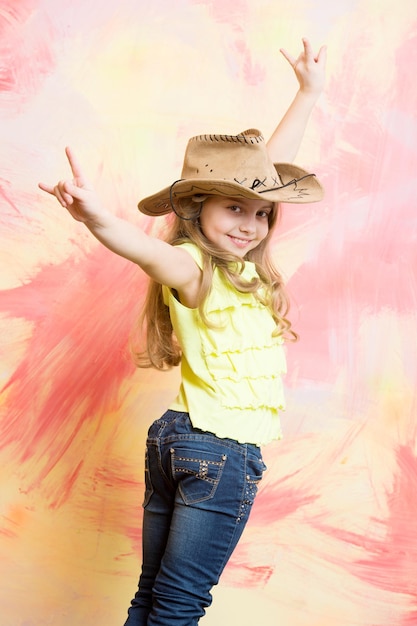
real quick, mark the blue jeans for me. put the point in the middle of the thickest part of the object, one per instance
(199, 493)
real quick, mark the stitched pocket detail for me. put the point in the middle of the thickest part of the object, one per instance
(197, 473)
(255, 468)
(148, 480)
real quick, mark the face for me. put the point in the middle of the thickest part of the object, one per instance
(236, 225)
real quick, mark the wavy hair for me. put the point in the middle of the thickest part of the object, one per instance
(162, 350)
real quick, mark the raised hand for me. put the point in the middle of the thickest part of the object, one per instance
(310, 69)
(76, 195)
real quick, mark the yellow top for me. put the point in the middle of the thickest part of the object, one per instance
(231, 374)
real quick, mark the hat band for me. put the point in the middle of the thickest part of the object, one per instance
(254, 187)
(294, 181)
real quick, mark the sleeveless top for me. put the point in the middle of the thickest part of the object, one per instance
(231, 374)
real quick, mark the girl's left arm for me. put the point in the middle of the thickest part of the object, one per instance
(310, 70)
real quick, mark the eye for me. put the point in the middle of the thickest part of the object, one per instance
(235, 208)
(263, 214)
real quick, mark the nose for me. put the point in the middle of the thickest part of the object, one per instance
(248, 224)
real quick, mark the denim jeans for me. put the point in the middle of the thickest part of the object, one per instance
(198, 496)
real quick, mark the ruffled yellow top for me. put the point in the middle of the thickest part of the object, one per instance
(231, 374)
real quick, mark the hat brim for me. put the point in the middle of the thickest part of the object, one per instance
(295, 186)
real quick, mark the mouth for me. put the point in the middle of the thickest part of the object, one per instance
(239, 242)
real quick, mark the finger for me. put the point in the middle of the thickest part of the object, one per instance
(74, 163)
(288, 56)
(322, 55)
(69, 191)
(59, 194)
(66, 192)
(46, 188)
(308, 50)
(54, 191)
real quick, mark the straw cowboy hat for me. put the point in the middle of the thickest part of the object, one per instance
(236, 166)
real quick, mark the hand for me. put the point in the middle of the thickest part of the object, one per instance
(76, 195)
(310, 70)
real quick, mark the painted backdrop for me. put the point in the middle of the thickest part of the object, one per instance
(332, 538)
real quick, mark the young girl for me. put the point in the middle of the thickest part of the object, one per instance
(216, 305)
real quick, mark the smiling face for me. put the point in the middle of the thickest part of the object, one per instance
(236, 225)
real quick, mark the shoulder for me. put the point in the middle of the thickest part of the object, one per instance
(193, 250)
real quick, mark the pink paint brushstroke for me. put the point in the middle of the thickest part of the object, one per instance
(391, 564)
(368, 260)
(26, 48)
(234, 14)
(76, 358)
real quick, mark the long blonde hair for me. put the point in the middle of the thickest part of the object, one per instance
(161, 349)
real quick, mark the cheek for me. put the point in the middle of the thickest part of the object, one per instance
(214, 223)
(207, 229)
(263, 230)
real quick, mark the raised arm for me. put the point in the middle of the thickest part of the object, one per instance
(164, 263)
(310, 72)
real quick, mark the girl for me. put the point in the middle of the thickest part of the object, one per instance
(216, 305)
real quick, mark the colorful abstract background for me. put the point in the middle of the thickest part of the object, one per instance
(332, 539)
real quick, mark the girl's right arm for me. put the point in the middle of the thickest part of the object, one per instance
(164, 263)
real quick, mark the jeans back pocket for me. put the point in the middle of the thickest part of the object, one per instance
(197, 472)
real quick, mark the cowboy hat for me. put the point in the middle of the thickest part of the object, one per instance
(236, 166)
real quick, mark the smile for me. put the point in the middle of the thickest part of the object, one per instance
(242, 243)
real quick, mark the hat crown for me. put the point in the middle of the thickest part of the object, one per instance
(241, 158)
